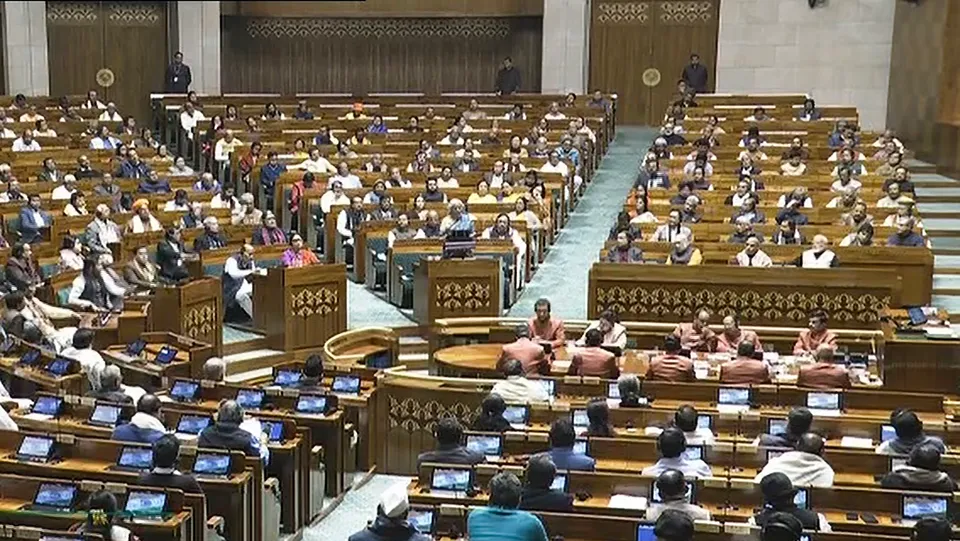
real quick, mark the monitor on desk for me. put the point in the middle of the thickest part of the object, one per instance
(135, 348)
(273, 430)
(250, 399)
(346, 384)
(60, 496)
(30, 357)
(59, 366)
(704, 422)
(137, 458)
(824, 401)
(212, 464)
(560, 482)
(580, 447)
(311, 404)
(185, 390)
(549, 386)
(193, 424)
(918, 507)
(105, 415)
(166, 355)
(47, 405)
(451, 479)
(35, 448)
(645, 532)
(776, 426)
(801, 499)
(580, 419)
(613, 390)
(486, 444)
(145, 503)
(733, 396)
(286, 377)
(887, 433)
(421, 519)
(517, 416)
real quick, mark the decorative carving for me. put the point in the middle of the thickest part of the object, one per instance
(310, 302)
(463, 296)
(413, 415)
(686, 12)
(72, 12)
(651, 77)
(378, 28)
(200, 320)
(623, 13)
(133, 13)
(634, 302)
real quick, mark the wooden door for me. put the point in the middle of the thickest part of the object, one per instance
(638, 49)
(128, 38)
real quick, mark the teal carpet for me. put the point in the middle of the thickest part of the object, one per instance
(357, 507)
(562, 277)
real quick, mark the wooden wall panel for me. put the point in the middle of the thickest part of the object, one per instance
(129, 38)
(386, 8)
(949, 106)
(915, 73)
(376, 55)
(628, 38)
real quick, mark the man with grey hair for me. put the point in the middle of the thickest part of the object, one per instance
(818, 257)
(102, 231)
(230, 431)
(516, 387)
(501, 519)
(905, 235)
(214, 369)
(211, 238)
(249, 214)
(457, 218)
(237, 285)
(111, 389)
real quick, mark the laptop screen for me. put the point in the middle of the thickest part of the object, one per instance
(800, 499)
(733, 396)
(645, 533)
(250, 399)
(212, 463)
(580, 418)
(823, 401)
(704, 422)
(193, 424)
(917, 507)
(273, 430)
(140, 458)
(35, 447)
(105, 414)
(777, 426)
(136, 348)
(142, 503)
(516, 415)
(457, 480)
(311, 404)
(559, 483)
(421, 519)
(30, 356)
(346, 384)
(549, 386)
(580, 447)
(166, 355)
(613, 390)
(185, 390)
(485, 445)
(47, 405)
(286, 378)
(59, 495)
(887, 433)
(59, 366)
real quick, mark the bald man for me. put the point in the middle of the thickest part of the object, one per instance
(824, 373)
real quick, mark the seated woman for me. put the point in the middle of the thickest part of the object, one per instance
(862, 236)
(482, 195)
(699, 180)
(623, 252)
(298, 256)
(170, 255)
(684, 253)
(179, 203)
(794, 166)
(96, 289)
(641, 213)
(141, 273)
(77, 205)
(71, 254)
(420, 164)
(377, 125)
(753, 132)
(507, 193)
(102, 514)
(516, 147)
(521, 211)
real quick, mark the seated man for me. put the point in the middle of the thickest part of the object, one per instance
(562, 439)
(673, 493)
(805, 466)
(612, 333)
(732, 336)
(544, 327)
(214, 369)
(697, 336)
(905, 235)
(799, 421)
(815, 335)
(910, 434)
(517, 388)
(778, 500)
(529, 353)
(348, 223)
(628, 385)
(211, 238)
(537, 494)
(232, 432)
(672, 366)
(109, 386)
(164, 474)
(671, 443)
(686, 419)
(593, 360)
(824, 373)
(745, 368)
(500, 520)
(391, 522)
(921, 472)
(450, 450)
(818, 257)
(237, 284)
(146, 425)
(931, 529)
(752, 255)
(311, 377)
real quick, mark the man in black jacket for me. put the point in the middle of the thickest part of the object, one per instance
(508, 78)
(921, 472)
(226, 433)
(391, 523)
(178, 78)
(537, 494)
(311, 379)
(164, 472)
(211, 238)
(695, 74)
(449, 436)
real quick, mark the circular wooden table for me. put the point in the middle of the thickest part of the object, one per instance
(480, 361)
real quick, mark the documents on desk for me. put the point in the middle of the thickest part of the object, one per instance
(856, 443)
(625, 501)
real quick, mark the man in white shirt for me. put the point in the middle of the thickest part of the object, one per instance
(553, 113)
(65, 190)
(554, 165)
(805, 466)
(5, 132)
(752, 255)
(237, 286)
(818, 257)
(517, 388)
(111, 114)
(687, 419)
(452, 138)
(348, 180)
(333, 196)
(496, 178)
(189, 118)
(316, 163)
(91, 362)
(26, 143)
(671, 443)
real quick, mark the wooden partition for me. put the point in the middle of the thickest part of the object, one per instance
(194, 310)
(457, 288)
(301, 308)
(774, 296)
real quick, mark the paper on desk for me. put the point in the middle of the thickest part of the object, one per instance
(38, 417)
(165, 398)
(561, 365)
(857, 443)
(624, 501)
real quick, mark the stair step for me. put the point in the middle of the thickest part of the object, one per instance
(244, 345)
(414, 361)
(250, 375)
(411, 340)
(255, 359)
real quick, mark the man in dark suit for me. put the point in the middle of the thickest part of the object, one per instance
(508, 78)
(33, 219)
(164, 473)
(537, 494)
(449, 434)
(695, 74)
(178, 78)
(211, 238)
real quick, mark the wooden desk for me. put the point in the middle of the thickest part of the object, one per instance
(194, 310)
(146, 372)
(300, 308)
(458, 288)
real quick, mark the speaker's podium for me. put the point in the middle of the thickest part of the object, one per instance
(194, 310)
(457, 288)
(300, 308)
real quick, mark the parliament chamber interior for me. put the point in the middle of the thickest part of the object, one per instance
(512, 270)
